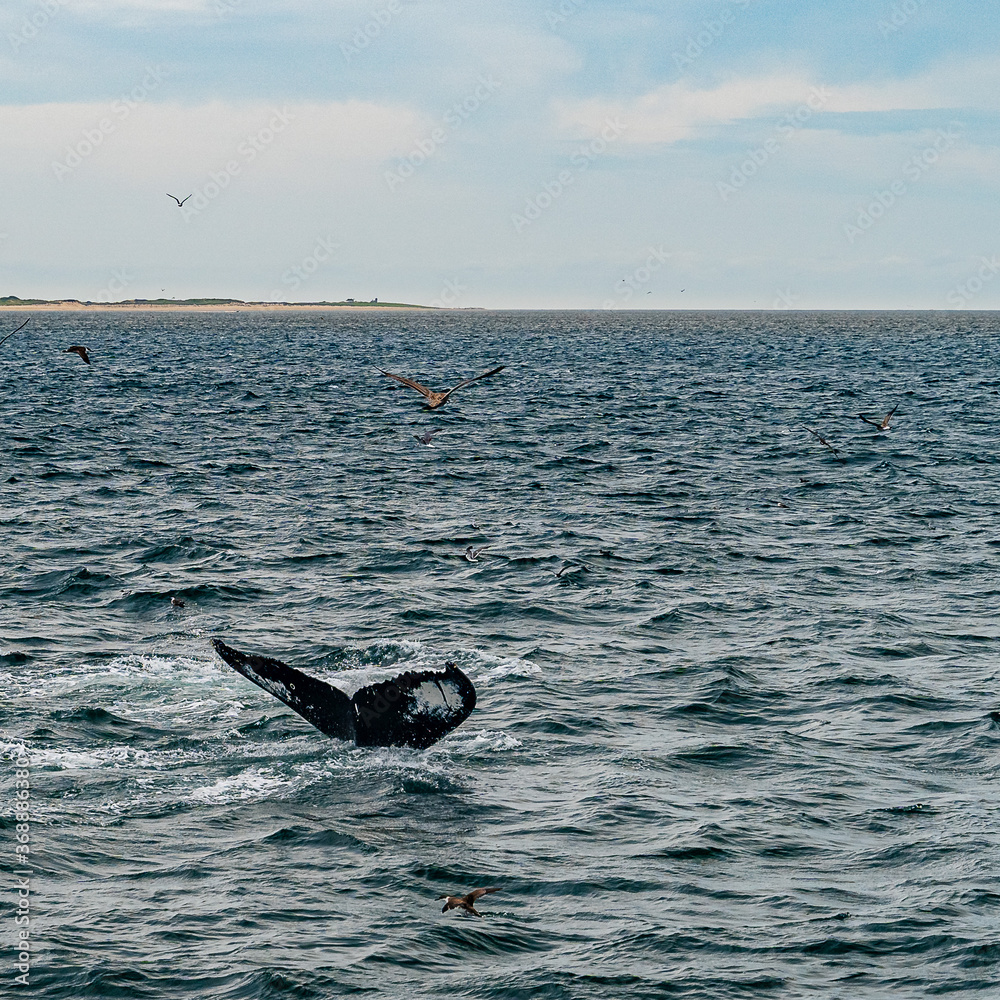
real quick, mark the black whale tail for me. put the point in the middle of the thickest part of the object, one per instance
(414, 709)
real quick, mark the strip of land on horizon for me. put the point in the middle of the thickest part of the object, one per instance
(207, 305)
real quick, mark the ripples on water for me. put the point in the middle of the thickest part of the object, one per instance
(738, 724)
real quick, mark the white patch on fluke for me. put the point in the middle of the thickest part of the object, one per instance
(277, 688)
(430, 699)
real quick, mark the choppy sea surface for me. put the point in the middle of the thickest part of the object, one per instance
(738, 729)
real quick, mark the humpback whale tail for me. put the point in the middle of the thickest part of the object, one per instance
(414, 709)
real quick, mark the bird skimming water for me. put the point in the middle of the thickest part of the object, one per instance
(77, 349)
(466, 902)
(826, 444)
(436, 399)
(473, 554)
(427, 436)
(884, 425)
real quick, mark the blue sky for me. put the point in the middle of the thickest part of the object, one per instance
(561, 153)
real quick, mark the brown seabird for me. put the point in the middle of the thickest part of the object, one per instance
(823, 441)
(436, 399)
(77, 349)
(466, 902)
(884, 425)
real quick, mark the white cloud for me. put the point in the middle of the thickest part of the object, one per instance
(676, 111)
(969, 84)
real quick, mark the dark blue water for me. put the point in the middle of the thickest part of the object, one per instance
(738, 731)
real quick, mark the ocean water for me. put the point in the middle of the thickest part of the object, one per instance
(738, 729)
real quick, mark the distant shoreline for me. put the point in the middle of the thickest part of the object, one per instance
(13, 303)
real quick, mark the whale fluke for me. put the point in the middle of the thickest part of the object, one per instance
(414, 709)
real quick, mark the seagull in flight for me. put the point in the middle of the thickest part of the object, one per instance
(21, 327)
(884, 425)
(77, 349)
(473, 554)
(466, 902)
(436, 399)
(180, 204)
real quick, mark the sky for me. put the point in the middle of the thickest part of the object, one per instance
(591, 154)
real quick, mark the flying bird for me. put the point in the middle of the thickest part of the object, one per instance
(884, 425)
(426, 437)
(466, 902)
(473, 554)
(9, 335)
(77, 349)
(436, 399)
(180, 204)
(824, 441)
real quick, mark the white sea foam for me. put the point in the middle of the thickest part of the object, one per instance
(14, 750)
(118, 673)
(475, 740)
(75, 760)
(252, 784)
(191, 670)
(493, 668)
